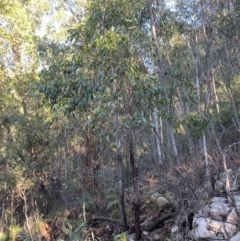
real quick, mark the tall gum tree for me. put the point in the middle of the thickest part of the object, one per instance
(100, 74)
(162, 79)
(19, 117)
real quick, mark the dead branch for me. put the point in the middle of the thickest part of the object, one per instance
(149, 227)
(159, 221)
(111, 220)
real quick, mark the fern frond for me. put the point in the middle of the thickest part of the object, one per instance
(112, 203)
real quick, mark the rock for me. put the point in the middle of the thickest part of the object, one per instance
(130, 237)
(236, 237)
(174, 229)
(219, 199)
(237, 201)
(232, 217)
(160, 200)
(231, 223)
(204, 211)
(215, 221)
(219, 208)
(204, 228)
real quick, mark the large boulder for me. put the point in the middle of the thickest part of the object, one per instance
(159, 200)
(155, 202)
(216, 221)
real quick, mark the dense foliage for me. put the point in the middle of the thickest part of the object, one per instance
(99, 98)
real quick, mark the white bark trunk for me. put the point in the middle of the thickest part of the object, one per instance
(158, 141)
(119, 161)
(195, 61)
(205, 155)
(162, 80)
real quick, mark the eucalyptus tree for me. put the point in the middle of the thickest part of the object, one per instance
(162, 77)
(28, 136)
(18, 115)
(18, 57)
(210, 35)
(127, 61)
(100, 75)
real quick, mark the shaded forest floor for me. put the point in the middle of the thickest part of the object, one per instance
(176, 194)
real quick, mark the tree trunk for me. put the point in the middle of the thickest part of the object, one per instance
(195, 61)
(120, 164)
(162, 80)
(136, 201)
(158, 136)
(216, 100)
(206, 159)
(82, 165)
(65, 156)
(182, 114)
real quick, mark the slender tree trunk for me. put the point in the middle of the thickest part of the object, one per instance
(136, 201)
(204, 142)
(158, 137)
(216, 100)
(3, 201)
(237, 55)
(215, 96)
(82, 179)
(168, 140)
(83, 196)
(182, 113)
(162, 80)
(172, 138)
(206, 157)
(65, 157)
(120, 164)
(23, 195)
(227, 54)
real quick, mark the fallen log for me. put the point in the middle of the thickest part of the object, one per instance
(148, 228)
(159, 221)
(111, 220)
